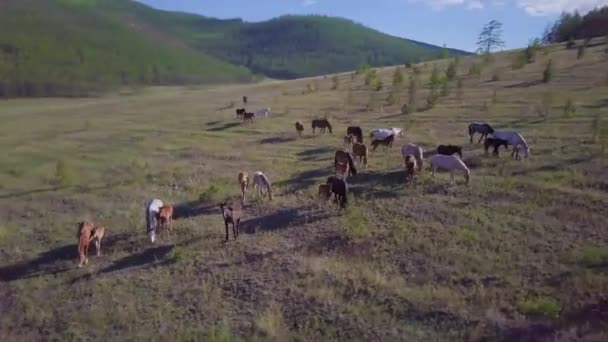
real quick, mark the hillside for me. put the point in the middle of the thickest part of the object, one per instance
(520, 253)
(66, 47)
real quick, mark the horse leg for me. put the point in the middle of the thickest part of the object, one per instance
(480, 138)
(234, 232)
(226, 224)
(238, 224)
(471, 137)
(452, 177)
(98, 246)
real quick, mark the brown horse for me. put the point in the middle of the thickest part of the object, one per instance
(360, 152)
(348, 141)
(165, 217)
(345, 158)
(324, 192)
(299, 128)
(342, 169)
(322, 124)
(356, 132)
(387, 142)
(244, 183)
(248, 117)
(231, 214)
(240, 112)
(410, 168)
(88, 232)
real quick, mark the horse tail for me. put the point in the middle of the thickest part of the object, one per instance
(351, 165)
(329, 127)
(471, 129)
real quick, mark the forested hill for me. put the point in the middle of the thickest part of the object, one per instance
(67, 47)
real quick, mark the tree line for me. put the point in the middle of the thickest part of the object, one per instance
(576, 26)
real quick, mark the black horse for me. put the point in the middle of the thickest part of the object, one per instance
(449, 150)
(322, 124)
(495, 143)
(339, 188)
(240, 112)
(356, 132)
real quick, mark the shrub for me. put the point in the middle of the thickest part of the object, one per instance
(543, 109)
(355, 225)
(370, 76)
(363, 69)
(475, 70)
(408, 65)
(593, 257)
(372, 104)
(450, 73)
(405, 109)
(378, 84)
(445, 89)
(571, 43)
(581, 52)
(548, 72)
(413, 93)
(496, 76)
(519, 62)
(569, 108)
(546, 307)
(65, 175)
(335, 82)
(530, 52)
(397, 77)
(431, 101)
(393, 98)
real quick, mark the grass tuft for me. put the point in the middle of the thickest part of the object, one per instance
(545, 307)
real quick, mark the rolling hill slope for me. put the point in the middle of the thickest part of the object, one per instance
(67, 47)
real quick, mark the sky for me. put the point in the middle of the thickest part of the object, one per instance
(455, 23)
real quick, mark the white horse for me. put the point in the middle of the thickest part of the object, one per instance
(152, 210)
(383, 133)
(263, 112)
(450, 163)
(261, 182)
(515, 139)
(414, 150)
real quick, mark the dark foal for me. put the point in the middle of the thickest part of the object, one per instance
(495, 143)
(339, 188)
(231, 214)
(449, 150)
(356, 132)
(387, 142)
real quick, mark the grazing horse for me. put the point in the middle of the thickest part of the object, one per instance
(450, 163)
(410, 168)
(299, 128)
(449, 150)
(414, 150)
(322, 124)
(482, 128)
(345, 158)
(342, 169)
(152, 210)
(262, 112)
(516, 140)
(88, 232)
(348, 141)
(248, 117)
(261, 182)
(165, 217)
(356, 132)
(360, 152)
(244, 183)
(232, 214)
(495, 143)
(387, 142)
(339, 188)
(324, 192)
(240, 112)
(383, 133)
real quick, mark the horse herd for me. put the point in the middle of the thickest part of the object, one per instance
(159, 216)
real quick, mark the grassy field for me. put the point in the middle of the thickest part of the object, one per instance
(520, 253)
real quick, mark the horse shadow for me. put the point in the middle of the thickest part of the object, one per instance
(54, 261)
(305, 179)
(525, 84)
(276, 140)
(282, 219)
(193, 209)
(379, 184)
(224, 127)
(314, 153)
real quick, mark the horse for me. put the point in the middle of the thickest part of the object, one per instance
(231, 214)
(348, 141)
(152, 210)
(260, 181)
(88, 232)
(342, 169)
(263, 112)
(449, 150)
(339, 188)
(299, 128)
(360, 152)
(410, 168)
(248, 117)
(496, 143)
(322, 124)
(383, 133)
(482, 128)
(244, 99)
(516, 140)
(165, 217)
(240, 112)
(345, 158)
(324, 192)
(356, 132)
(414, 150)
(450, 163)
(244, 183)
(387, 142)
